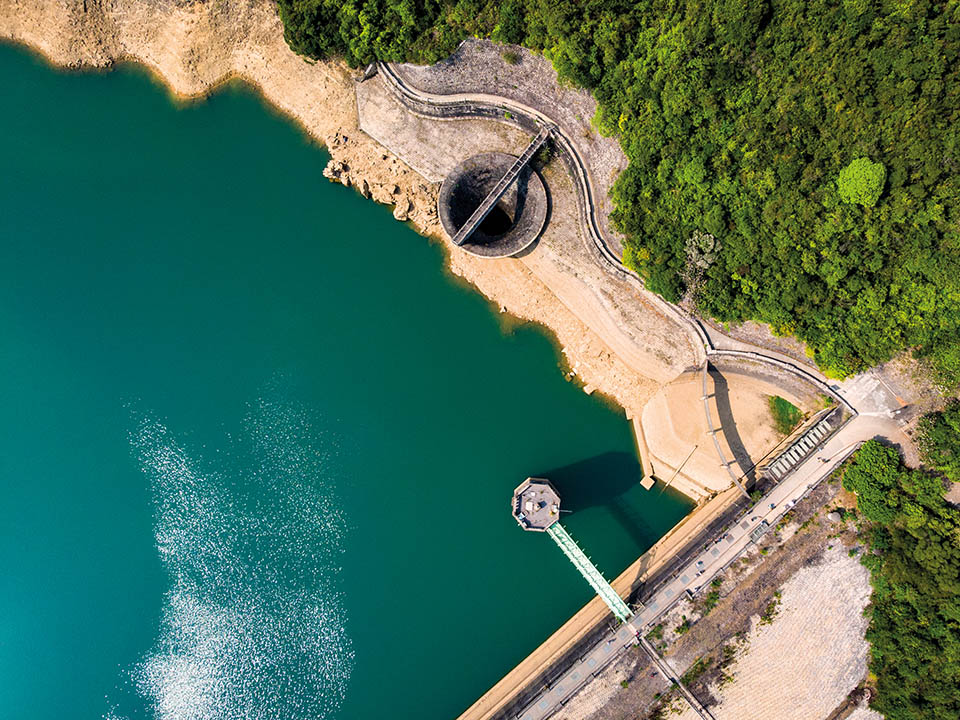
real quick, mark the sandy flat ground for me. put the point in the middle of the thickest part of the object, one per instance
(864, 713)
(615, 342)
(806, 662)
(653, 345)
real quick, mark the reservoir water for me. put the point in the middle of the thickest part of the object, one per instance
(257, 446)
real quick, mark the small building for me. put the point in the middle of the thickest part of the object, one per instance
(536, 504)
(759, 531)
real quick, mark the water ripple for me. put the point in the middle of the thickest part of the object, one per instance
(254, 625)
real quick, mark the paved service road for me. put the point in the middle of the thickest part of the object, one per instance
(579, 673)
(762, 518)
(720, 553)
(871, 397)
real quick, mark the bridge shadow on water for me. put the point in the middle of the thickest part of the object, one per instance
(604, 480)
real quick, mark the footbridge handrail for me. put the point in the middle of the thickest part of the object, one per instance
(466, 105)
(478, 215)
(590, 572)
(483, 105)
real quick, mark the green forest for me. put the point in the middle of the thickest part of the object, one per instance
(914, 560)
(813, 145)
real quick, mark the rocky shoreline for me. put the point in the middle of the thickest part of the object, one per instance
(193, 46)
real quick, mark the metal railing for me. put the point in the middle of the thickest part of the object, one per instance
(478, 215)
(589, 571)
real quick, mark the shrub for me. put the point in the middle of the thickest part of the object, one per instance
(696, 670)
(737, 123)
(656, 633)
(914, 564)
(940, 441)
(786, 415)
(770, 612)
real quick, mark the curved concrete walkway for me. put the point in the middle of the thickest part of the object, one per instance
(483, 105)
(470, 105)
(528, 118)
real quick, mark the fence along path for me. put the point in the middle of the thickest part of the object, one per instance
(478, 215)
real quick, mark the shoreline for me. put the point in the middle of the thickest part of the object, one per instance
(195, 50)
(245, 44)
(584, 621)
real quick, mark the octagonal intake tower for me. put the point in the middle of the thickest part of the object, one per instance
(536, 504)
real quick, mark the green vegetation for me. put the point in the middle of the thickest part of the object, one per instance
(710, 601)
(727, 659)
(772, 609)
(656, 633)
(914, 561)
(696, 670)
(940, 441)
(682, 627)
(544, 155)
(812, 147)
(786, 415)
(861, 182)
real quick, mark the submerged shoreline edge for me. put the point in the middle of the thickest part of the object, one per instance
(333, 96)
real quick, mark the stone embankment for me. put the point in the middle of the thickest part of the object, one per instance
(414, 202)
(194, 47)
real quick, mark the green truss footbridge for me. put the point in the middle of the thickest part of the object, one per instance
(589, 571)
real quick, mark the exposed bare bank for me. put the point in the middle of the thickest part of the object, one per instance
(193, 46)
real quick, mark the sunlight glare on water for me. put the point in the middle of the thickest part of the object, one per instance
(254, 625)
(258, 444)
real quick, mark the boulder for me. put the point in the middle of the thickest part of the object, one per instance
(402, 211)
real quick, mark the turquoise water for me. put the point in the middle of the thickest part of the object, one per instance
(257, 447)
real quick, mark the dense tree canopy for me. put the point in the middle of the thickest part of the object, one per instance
(818, 141)
(914, 561)
(940, 441)
(861, 182)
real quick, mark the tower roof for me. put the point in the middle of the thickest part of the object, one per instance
(536, 504)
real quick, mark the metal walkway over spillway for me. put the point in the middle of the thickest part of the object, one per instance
(589, 571)
(478, 215)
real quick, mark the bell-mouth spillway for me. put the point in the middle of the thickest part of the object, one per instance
(515, 222)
